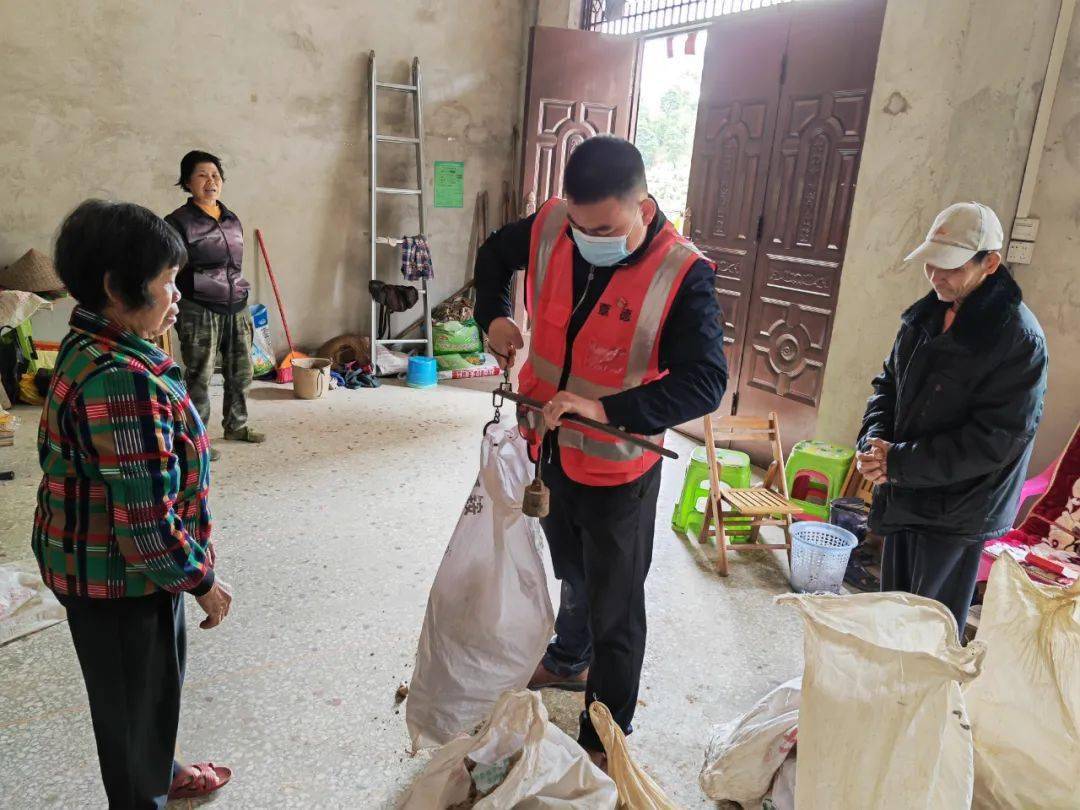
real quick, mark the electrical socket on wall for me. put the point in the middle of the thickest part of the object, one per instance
(1020, 252)
(1025, 229)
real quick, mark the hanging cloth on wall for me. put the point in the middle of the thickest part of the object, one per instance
(416, 258)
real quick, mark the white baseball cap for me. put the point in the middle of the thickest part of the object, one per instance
(958, 233)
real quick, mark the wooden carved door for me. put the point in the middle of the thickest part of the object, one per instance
(579, 84)
(825, 93)
(740, 91)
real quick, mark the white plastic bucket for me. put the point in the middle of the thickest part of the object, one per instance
(311, 377)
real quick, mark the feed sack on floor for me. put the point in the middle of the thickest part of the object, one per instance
(744, 755)
(1025, 707)
(518, 759)
(489, 616)
(882, 721)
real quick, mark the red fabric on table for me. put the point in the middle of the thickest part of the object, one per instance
(1056, 504)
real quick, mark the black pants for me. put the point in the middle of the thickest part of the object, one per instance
(132, 656)
(601, 541)
(933, 566)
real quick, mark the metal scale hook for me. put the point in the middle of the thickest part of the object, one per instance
(536, 502)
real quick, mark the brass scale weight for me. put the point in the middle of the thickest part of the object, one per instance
(537, 499)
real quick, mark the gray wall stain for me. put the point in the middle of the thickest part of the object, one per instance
(896, 104)
(1071, 138)
(1068, 306)
(306, 45)
(449, 119)
(429, 11)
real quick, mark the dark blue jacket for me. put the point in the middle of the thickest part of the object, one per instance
(961, 408)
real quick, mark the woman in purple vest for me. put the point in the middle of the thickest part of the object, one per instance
(214, 318)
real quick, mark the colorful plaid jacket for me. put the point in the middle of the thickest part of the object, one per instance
(122, 507)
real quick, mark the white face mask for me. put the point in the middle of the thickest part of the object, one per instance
(603, 251)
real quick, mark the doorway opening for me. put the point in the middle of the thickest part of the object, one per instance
(752, 137)
(671, 69)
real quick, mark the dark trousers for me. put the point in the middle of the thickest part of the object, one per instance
(933, 566)
(132, 656)
(601, 542)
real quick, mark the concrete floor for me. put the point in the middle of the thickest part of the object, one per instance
(330, 535)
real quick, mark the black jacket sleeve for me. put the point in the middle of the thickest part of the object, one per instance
(878, 420)
(1005, 413)
(692, 352)
(505, 252)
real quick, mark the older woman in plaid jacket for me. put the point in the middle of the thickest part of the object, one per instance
(122, 528)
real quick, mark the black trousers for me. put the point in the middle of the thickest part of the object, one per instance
(933, 566)
(601, 541)
(132, 655)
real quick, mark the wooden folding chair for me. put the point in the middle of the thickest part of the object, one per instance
(856, 486)
(164, 341)
(767, 504)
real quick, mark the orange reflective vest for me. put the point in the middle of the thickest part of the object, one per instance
(616, 349)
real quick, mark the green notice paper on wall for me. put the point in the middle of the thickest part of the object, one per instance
(449, 184)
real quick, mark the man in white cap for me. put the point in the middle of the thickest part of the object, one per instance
(949, 429)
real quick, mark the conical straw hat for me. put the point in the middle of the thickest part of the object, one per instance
(34, 272)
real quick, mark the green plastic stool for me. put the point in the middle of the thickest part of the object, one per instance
(735, 472)
(737, 529)
(815, 472)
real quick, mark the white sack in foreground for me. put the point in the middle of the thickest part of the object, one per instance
(489, 616)
(744, 755)
(545, 769)
(1025, 707)
(882, 722)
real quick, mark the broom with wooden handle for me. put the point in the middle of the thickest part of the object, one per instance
(284, 369)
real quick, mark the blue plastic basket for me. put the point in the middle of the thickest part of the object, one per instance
(819, 556)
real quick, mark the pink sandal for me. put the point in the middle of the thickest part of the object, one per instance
(207, 778)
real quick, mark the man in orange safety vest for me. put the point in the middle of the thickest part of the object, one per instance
(626, 330)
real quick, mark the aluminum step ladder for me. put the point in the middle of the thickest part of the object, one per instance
(417, 142)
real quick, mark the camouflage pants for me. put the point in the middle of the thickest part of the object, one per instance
(205, 335)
